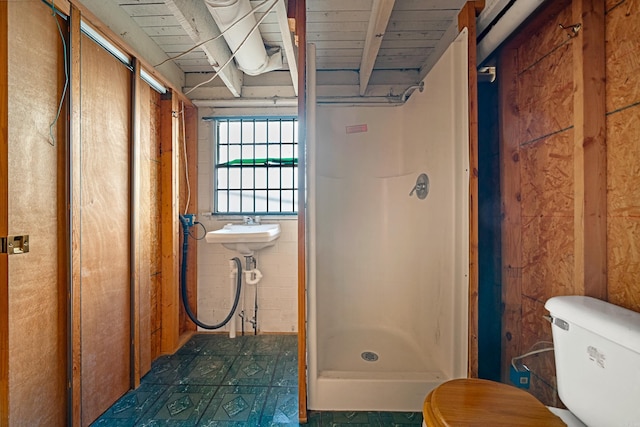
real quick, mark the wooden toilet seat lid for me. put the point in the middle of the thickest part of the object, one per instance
(472, 401)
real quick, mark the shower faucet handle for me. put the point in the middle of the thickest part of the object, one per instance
(422, 186)
(418, 187)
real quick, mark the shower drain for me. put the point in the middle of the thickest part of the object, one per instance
(369, 356)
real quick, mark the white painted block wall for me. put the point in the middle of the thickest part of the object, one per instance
(277, 291)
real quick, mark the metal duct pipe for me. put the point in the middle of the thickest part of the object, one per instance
(252, 58)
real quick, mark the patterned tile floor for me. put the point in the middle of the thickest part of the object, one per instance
(217, 381)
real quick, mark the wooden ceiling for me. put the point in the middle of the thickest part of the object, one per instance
(379, 46)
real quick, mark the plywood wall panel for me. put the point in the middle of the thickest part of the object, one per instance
(536, 331)
(623, 152)
(144, 225)
(542, 108)
(623, 199)
(105, 282)
(156, 316)
(547, 247)
(544, 40)
(154, 231)
(547, 252)
(624, 261)
(610, 4)
(36, 285)
(546, 176)
(622, 55)
(547, 216)
(545, 95)
(560, 229)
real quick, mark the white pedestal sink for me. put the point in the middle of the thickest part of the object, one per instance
(245, 238)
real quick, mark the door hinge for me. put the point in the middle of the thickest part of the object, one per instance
(13, 245)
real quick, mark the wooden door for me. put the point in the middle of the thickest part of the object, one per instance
(105, 299)
(32, 284)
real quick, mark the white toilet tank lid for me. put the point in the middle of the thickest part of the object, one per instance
(613, 322)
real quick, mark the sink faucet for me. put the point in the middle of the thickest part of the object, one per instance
(251, 221)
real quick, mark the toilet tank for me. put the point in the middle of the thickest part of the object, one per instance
(597, 354)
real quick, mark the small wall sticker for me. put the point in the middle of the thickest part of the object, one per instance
(356, 128)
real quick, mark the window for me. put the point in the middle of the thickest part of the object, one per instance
(256, 165)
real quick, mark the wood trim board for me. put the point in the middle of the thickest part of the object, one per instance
(4, 213)
(135, 242)
(301, 20)
(467, 19)
(590, 149)
(169, 223)
(511, 218)
(73, 194)
(188, 190)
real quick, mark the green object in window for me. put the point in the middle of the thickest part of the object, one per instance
(269, 161)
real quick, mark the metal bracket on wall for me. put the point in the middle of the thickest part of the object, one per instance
(14, 245)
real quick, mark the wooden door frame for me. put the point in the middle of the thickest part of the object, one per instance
(467, 19)
(4, 212)
(73, 219)
(300, 22)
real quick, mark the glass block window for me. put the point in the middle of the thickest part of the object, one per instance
(256, 165)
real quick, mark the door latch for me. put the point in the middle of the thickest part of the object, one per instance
(13, 245)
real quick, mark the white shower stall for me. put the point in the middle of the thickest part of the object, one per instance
(388, 272)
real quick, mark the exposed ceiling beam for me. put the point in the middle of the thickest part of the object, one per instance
(195, 19)
(380, 14)
(287, 43)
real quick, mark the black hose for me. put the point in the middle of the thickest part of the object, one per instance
(183, 282)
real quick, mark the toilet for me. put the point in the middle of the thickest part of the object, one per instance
(597, 356)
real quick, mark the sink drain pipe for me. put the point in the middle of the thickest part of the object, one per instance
(183, 282)
(252, 277)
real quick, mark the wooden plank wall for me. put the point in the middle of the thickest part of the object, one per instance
(33, 381)
(105, 230)
(560, 182)
(80, 333)
(145, 122)
(155, 239)
(623, 152)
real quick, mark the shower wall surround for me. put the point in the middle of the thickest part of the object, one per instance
(389, 278)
